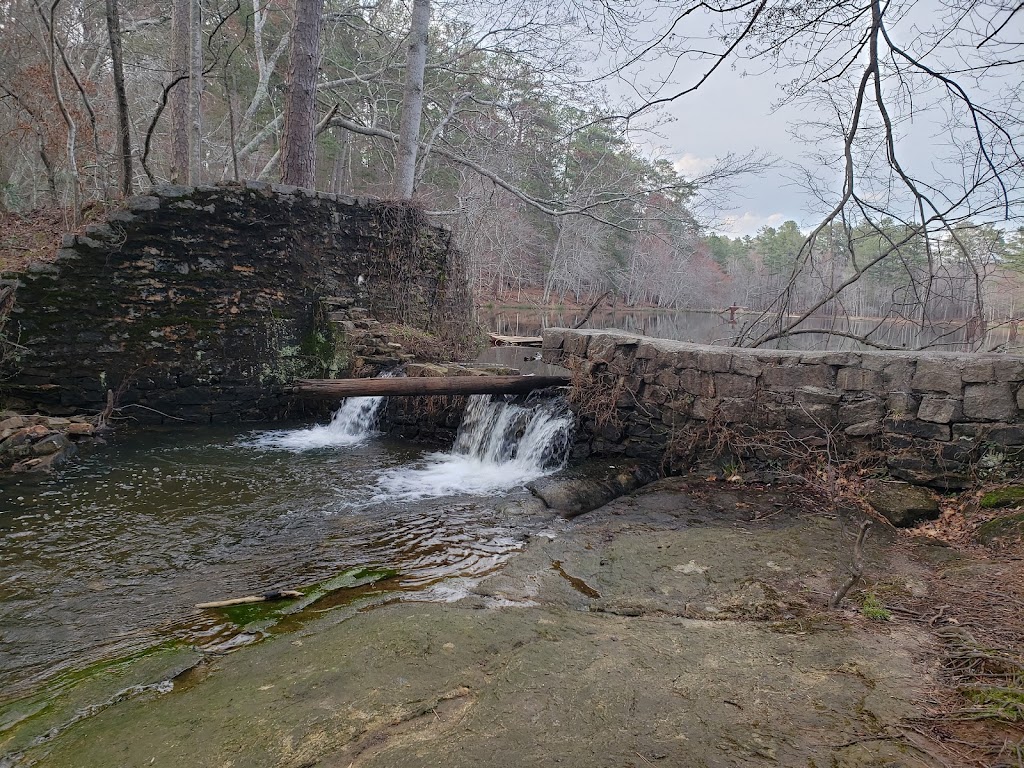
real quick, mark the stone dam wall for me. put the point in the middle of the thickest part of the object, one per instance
(200, 302)
(935, 419)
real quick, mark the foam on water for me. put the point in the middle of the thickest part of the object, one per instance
(354, 422)
(500, 446)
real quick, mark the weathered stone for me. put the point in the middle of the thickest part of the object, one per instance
(989, 402)
(860, 411)
(900, 503)
(818, 415)
(573, 496)
(914, 469)
(1006, 434)
(916, 428)
(858, 379)
(667, 379)
(746, 364)
(1020, 398)
(714, 361)
(816, 395)
(13, 422)
(80, 429)
(553, 338)
(900, 406)
(938, 375)
(863, 429)
(734, 410)
(732, 385)
(49, 445)
(791, 377)
(143, 203)
(696, 382)
(941, 410)
(173, 191)
(704, 408)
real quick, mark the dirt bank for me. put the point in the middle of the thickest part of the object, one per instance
(682, 626)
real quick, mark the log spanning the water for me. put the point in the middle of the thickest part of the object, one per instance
(426, 385)
(499, 340)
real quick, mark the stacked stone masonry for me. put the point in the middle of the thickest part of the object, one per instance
(199, 302)
(937, 419)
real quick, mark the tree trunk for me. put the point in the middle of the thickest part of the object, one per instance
(426, 385)
(117, 60)
(298, 164)
(412, 101)
(180, 23)
(195, 93)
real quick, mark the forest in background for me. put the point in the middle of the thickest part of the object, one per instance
(544, 179)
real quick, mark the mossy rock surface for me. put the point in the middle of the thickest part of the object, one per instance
(1010, 496)
(1002, 530)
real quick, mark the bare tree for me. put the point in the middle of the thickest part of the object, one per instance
(412, 101)
(121, 97)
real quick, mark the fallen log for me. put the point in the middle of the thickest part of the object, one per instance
(283, 594)
(425, 385)
(499, 340)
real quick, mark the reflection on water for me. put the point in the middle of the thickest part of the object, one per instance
(710, 328)
(113, 554)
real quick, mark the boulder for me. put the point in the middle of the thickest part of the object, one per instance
(902, 504)
(574, 496)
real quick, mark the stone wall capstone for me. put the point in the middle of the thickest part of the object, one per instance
(935, 419)
(199, 302)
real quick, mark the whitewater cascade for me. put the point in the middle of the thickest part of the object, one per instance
(500, 445)
(354, 422)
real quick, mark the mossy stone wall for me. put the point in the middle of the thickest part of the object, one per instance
(199, 302)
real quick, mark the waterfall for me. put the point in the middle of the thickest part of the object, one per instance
(500, 445)
(354, 422)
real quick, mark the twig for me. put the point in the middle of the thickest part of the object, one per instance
(279, 595)
(856, 568)
(590, 311)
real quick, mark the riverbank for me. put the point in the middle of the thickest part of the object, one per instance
(682, 625)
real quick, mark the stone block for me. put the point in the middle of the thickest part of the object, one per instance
(1006, 434)
(696, 383)
(143, 203)
(863, 429)
(816, 395)
(819, 415)
(1020, 398)
(938, 375)
(576, 344)
(735, 410)
(901, 405)
(901, 503)
(858, 380)
(941, 410)
(667, 379)
(655, 394)
(915, 428)
(704, 408)
(173, 191)
(990, 402)
(793, 376)
(979, 371)
(845, 359)
(714, 361)
(733, 385)
(746, 364)
(647, 351)
(946, 476)
(861, 411)
(553, 338)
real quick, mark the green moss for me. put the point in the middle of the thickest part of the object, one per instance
(1007, 527)
(998, 702)
(1010, 496)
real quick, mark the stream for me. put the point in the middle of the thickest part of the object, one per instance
(111, 556)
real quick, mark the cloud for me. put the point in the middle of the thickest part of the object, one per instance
(748, 223)
(692, 166)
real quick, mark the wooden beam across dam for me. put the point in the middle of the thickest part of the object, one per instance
(425, 385)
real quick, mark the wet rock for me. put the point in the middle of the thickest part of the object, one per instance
(12, 421)
(45, 464)
(902, 504)
(81, 429)
(574, 496)
(50, 444)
